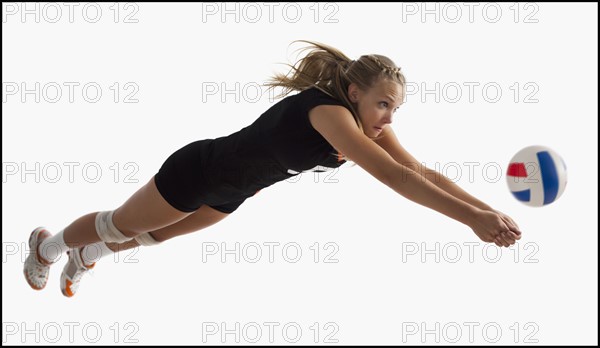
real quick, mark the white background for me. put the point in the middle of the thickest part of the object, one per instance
(387, 286)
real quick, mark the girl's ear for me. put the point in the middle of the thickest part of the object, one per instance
(353, 92)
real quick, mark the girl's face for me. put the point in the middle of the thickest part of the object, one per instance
(376, 105)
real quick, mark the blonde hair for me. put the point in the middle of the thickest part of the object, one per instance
(331, 71)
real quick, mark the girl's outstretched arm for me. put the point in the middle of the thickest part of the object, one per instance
(338, 127)
(389, 142)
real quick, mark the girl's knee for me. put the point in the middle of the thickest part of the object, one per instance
(108, 231)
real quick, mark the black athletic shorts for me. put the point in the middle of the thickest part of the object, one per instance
(182, 181)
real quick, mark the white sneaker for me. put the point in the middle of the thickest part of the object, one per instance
(72, 273)
(36, 269)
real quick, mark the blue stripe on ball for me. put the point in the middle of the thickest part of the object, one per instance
(523, 196)
(549, 176)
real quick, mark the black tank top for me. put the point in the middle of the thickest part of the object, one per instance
(279, 144)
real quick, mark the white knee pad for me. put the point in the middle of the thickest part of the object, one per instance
(146, 239)
(107, 231)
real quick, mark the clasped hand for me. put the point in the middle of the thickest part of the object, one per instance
(493, 226)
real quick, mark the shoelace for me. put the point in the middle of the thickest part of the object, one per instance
(37, 269)
(75, 280)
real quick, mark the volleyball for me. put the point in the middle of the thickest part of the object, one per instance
(537, 176)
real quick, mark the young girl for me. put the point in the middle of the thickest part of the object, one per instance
(342, 112)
